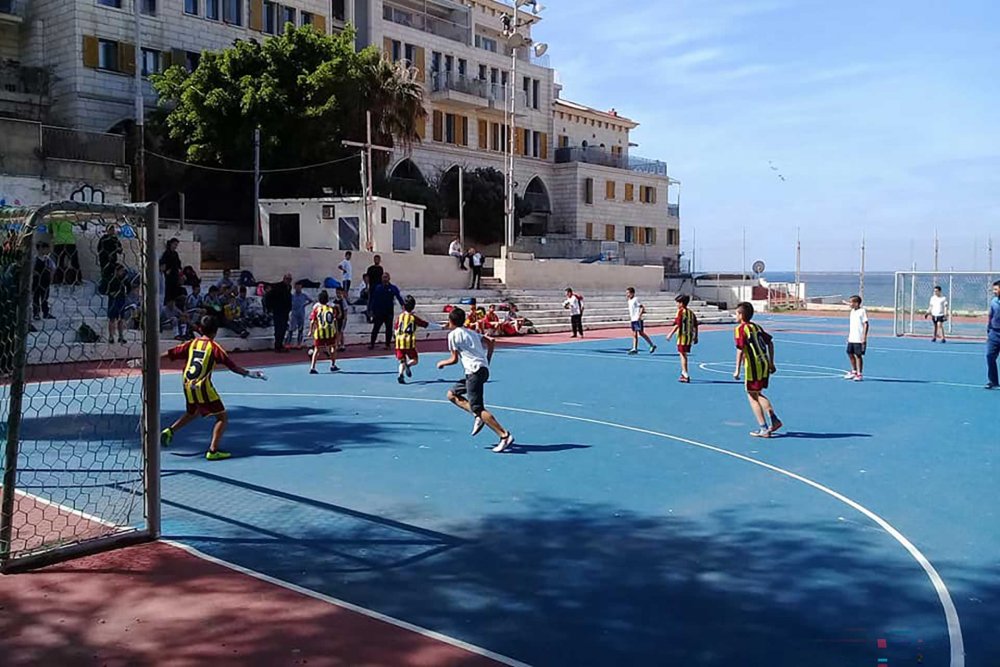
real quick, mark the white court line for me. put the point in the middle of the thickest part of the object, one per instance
(614, 357)
(950, 612)
(370, 613)
(68, 510)
(877, 349)
(790, 371)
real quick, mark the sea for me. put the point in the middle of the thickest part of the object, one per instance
(879, 289)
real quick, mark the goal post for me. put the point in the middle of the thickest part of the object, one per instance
(79, 380)
(968, 294)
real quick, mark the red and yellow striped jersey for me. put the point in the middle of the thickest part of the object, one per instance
(324, 322)
(687, 326)
(406, 330)
(754, 342)
(203, 354)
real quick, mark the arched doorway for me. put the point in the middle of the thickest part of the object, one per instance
(536, 195)
(407, 170)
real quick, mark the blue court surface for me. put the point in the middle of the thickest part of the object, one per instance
(635, 522)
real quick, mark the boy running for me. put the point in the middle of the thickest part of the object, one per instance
(475, 352)
(937, 310)
(857, 340)
(323, 329)
(406, 338)
(636, 311)
(686, 328)
(202, 398)
(755, 352)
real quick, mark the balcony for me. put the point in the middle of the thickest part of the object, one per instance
(674, 210)
(11, 11)
(648, 166)
(24, 91)
(471, 93)
(436, 17)
(590, 155)
(62, 143)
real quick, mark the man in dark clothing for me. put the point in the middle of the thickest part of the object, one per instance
(476, 261)
(374, 276)
(382, 305)
(44, 268)
(279, 301)
(109, 251)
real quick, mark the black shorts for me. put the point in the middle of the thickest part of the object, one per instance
(939, 319)
(856, 349)
(471, 389)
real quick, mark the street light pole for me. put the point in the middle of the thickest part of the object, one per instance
(140, 123)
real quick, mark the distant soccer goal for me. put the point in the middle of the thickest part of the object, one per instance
(79, 380)
(968, 297)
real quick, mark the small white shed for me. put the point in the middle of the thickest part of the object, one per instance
(338, 223)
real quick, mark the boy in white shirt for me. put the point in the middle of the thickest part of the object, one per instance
(575, 306)
(475, 352)
(857, 340)
(346, 271)
(937, 310)
(636, 311)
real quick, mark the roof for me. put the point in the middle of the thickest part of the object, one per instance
(608, 115)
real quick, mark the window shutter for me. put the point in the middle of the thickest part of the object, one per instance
(609, 190)
(126, 57)
(545, 146)
(651, 235)
(483, 134)
(463, 127)
(438, 126)
(629, 192)
(387, 48)
(256, 20)
(518, 141)
(652, 195)
(91, 58)
(590, 231)
(319, 23)
(588, 190)
(421, 127)
(609, 232)
(420, 62)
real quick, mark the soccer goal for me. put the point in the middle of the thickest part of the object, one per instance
(79, 380)
(968, 297)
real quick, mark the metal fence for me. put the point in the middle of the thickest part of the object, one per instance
(65, 144)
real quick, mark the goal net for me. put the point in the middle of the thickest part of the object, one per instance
(968, 297)
(79, 380)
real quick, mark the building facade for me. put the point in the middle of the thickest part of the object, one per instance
(72, 62)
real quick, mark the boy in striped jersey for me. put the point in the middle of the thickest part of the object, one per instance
(755, 353)
(686, 328)
(323, 329)
(202, 398)
(406, 338)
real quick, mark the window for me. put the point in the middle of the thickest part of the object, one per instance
(609, 232)
(191, 60)
(410, 54)
(107, 55)
(270, 17)
(647, 194)
(151, 62)
(589, 233)
(629, 192)
(486, 43)
(535, 85)
(307, 18)
(609, 189)
(148, 7)
(384, 215)
(563, 141)
(629, 234)
(288, 16)
(526, 143)
(435, 61)
(416, 219)
(650, 236)
(191, 7)
(588, 191)
(503, 78)
(449, 128)
(329, 212)
(526, 85)
(339, 10)
(482, 72)
(232, 12)
(449, 64)
(673, 237)
(495, 75)
(117, 4)
(212, 9)
(536, 144)
(495, 137)
(463, 67)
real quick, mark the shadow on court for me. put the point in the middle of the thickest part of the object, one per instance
(593, 585)
(518, 448)
(804, 435)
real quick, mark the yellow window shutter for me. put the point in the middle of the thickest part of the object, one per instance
(422, 127)
(319, 23)
(463, 130)
(126, 57)
(629, 192)
(420, 62)
(642, 194)
(438, 126)
(545, 146)
(90, 52)
(609, 190)
(642, 236)
(387, 48)
(483, 128)
(651, 236)
(256, 20)
(590, 231)
(518, 141)
(609, 232)
(653, 195)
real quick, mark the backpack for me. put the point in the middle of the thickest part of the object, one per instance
(247, 279)
(331, 283)
(86, 334)
(694, 335)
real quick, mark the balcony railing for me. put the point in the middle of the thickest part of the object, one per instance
(419, 19)
(22, 80)
(66, 144)
(647, 166)
(590, 155)
(674, 210)
(12, 7)
(494, 92)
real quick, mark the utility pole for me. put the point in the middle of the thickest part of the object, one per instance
(798, 263)
(937, 247)
(861, 283)
(140, 122)
(511, 129)
(461, 207)
(366, 174)
(256, 185)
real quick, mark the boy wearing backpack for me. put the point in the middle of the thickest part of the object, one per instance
(686, 328)
(755, 352)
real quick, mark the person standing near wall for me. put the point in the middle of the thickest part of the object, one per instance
(109, 251)
(374, 276)
(279, 301)
(383, 306)
(476, 261)
(346, 273)
(65, 254)
(170, 267)
(575, 307)
(993, 338)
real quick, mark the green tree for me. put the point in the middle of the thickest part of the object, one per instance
(307, 92)
(484, 202)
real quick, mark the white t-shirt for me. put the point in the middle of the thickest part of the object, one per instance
(574, 305)
(345, 269)
(455, 249)
(634, 308)
(470, 348)
(856, 333)
(939, 305)
(477, 259)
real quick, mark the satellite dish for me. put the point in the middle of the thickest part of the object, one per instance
(758, 267)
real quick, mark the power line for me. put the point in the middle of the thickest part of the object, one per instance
(249, 171)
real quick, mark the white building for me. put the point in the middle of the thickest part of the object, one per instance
(338, 223)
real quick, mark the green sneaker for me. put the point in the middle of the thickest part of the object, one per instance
(166, 437)
(217, 456)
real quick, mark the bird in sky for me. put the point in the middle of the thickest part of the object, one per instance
(775, 169)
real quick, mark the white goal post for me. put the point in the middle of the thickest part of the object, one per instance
(968, 294)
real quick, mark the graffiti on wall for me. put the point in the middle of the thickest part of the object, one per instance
(88, 194)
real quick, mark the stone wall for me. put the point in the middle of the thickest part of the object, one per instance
(556, 274)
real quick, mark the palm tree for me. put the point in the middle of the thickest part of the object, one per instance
(394, 95)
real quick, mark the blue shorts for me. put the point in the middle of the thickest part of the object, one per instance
(637, 326)
(116, 307)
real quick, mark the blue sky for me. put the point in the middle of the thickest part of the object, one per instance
(884, 118)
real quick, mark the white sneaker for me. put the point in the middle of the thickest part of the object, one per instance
(477, 426)
(858, 377)
(504, 443)
(849, 375)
